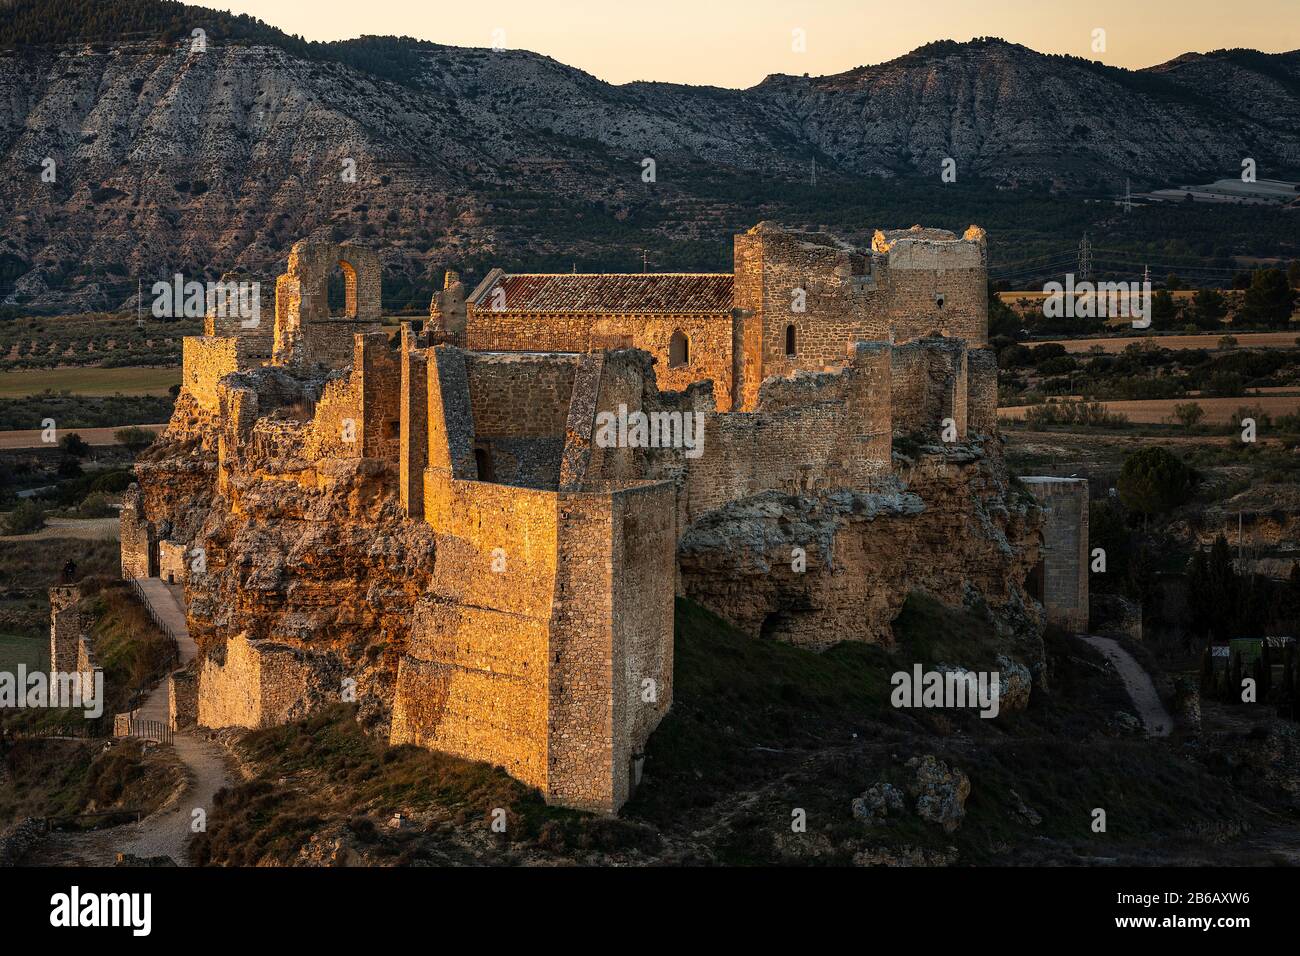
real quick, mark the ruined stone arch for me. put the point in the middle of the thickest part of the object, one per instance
(679, 349)
(349, 272)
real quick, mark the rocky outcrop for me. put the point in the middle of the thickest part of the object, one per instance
(952, 527)
(940, 792)
(878, 803)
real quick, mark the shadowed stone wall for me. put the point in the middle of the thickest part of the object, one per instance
(1065, 553)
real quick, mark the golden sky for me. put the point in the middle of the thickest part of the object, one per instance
(736, 43)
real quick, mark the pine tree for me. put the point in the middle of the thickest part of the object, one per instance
(1221, 590)
(1198, 579)
(1207, 673)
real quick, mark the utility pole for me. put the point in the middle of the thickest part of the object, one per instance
(1128, 196)
(1085, 258)
(814, 172)
(1241, 567)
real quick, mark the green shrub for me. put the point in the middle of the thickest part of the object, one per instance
(26, 518)
(1153, 481)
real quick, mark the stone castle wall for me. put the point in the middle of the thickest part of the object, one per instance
(930, 385)
(709, 337)
(543, 640)
(981, 391)
(809, 433)
(260, 684)
(135, 535)
(306, 331)
(205, 361)
(473, 681)
(937, 288)
(381, 376)
(1065, 552)
(65, 629)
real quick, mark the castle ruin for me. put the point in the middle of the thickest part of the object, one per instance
(476, 527)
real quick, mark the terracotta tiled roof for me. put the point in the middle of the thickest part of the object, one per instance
(611, 292)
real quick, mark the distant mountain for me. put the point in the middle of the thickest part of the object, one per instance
(167, 158)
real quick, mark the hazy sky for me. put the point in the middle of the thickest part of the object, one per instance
(738, 42)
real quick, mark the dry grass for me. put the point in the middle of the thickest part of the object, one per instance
(60, 778)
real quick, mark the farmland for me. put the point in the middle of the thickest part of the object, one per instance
(96, 339)
(89, 381)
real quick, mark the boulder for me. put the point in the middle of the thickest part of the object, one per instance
(940, 792)
(877, 803)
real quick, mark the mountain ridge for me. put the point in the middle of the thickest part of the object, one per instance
(171, 159)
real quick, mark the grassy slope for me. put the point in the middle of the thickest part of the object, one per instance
(59, 778)
(757, 728)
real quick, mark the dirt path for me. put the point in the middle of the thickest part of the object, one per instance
(167, 831)
(1138, 684)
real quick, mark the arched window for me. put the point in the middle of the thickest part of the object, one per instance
(679, 350)
(341, 291)
(483, 462)
(790, 349)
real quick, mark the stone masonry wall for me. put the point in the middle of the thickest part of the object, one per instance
(381, 377)
(135, 534)
(473, 682)
(182, 699)
(205, 360)
(519, 395)
(65, 629)
(413, 423)
(259, 684)
(644, 547)
(810, 432)
(930, 384)
(1065, 552)
(709, 355)
(981, 391)
(937, 287)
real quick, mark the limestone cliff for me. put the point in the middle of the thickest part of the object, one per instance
(313, 559)
(951, 525)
